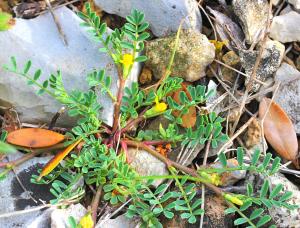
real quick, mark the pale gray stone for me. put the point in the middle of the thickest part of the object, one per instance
(295, 3)
(285, 28)
(193, 55)
(253, 16)
(59, 217)
(38, 40)
(146, 164)
(287, 96)
(120, 222)
(164, 16)
(233, 177)
(281, 216)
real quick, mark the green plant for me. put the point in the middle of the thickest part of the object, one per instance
(103, 158)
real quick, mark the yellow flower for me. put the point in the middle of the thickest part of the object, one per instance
(87, 221)
(160, 106)
(233, 199)
(215, 179)
(127, 60)
(157, 109)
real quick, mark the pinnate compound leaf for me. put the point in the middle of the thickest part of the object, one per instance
(263, 220)
(34, 137)
(278, 129)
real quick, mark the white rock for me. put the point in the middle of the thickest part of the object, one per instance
(37, 39)
(146, 164)
(59, 217)
(295, 3)
(253, 15)
(287, 95)
(164, 16)
(120, 222)
(276, 2)
(286, 10)
(285, 28)
(282, 217)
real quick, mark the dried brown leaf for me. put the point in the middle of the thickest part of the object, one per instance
(278, 129)
(34, 137)
(189, 119)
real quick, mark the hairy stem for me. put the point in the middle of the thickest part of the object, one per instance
(118, 104)
(95, 204)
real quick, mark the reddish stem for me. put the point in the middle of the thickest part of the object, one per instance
(118, 103)
(155, 142)
(169, 162)
(95, 204)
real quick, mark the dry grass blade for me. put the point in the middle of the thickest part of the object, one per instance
(278, 129)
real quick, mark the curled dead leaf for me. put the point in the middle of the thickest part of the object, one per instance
(57, 159)
(188, 119)
(34, 137)
(278, 129)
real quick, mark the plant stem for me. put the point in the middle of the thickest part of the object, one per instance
(133, 122)
(95, 204)
(118, 104)
(12, 164)
(240, 213)
(169, 162)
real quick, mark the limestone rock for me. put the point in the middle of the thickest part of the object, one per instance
(230, 178)
(14, 198)
(146, 164)
(285, 28)
(38, 40)
(288, 94)
(194, 53)
(120, 222)
(295, 3)
(253, 16)
(164, 16)
(283, 217)
(270, 61)
(59, 217)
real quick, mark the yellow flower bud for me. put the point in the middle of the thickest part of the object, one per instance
(215, 179)
(233, 199)
(87, 221)
(157, 109)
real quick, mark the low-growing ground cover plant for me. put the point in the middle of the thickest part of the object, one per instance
(103, 160)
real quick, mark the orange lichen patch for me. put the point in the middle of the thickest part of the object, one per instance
(34, 137)
(57, 159)
(278, 129)
(188, 119)
(163, 150)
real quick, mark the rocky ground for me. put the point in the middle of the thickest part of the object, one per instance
(219, 47)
